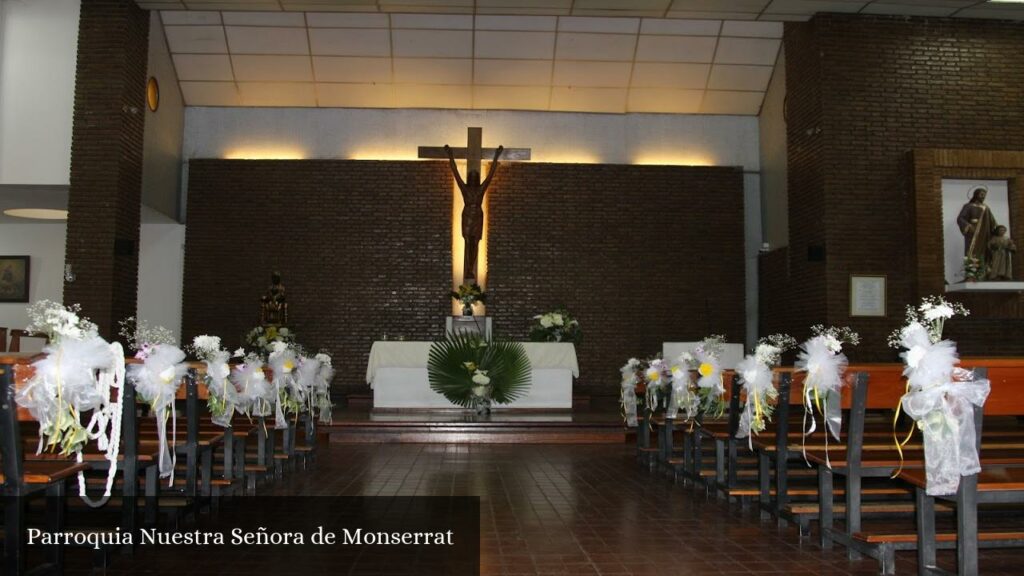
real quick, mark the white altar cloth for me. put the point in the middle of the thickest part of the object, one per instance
(397, 372)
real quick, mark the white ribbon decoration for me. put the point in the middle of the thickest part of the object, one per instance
(322, 390)
(822, 385)
(628, 399)
(218, 384)
(282, 364)
(156, 381)
(757, 382)
(682, 397)
(110, 414)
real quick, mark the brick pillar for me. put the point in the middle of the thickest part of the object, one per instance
(106, 161)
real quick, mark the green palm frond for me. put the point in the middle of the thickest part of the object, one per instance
(453, 360)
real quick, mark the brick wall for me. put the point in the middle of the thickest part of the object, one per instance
(642, 254)
(106, 160)
(364, 249)
(864, 92)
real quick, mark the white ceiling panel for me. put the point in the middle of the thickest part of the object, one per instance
(433, 21)
(190, 17)
(212, 67)
(747, 51)
(755, 6)
(511, 98)
(605, 25)
(747, 29)
(433, 71)
(517, 45)
(294, 19)
(675, 48)
(664, 100)
(345, 20)
(607, 47)
(432, 43)
(277, 93)
(729, 77)
(723, 102)
(210, 94)
(434, 96)
(196, 39)
(352, 69)
(267, 40)
(356, 95)
(523, 23)
(670, 75)
(350, 42)
(609, 100)
(596, 74)
(680, 27)
(512, 72)
(249, 68)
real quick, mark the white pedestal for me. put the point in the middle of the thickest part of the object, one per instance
(472, 324)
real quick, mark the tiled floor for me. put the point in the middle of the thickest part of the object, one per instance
(578, 510)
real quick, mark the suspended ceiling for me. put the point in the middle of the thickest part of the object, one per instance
(610, 56)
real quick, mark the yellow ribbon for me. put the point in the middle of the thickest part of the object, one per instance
(910, 433)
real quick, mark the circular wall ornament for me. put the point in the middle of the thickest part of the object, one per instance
(152, 94)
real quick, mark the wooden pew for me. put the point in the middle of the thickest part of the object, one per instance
(22, 478)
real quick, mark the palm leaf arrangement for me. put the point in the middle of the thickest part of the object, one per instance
(470, 371)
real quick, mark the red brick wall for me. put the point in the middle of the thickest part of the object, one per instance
(364, 249)
(642, 254)
(106, 160)
(863, 92)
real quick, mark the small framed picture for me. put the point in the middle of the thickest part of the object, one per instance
(867, 295)
(14, 277)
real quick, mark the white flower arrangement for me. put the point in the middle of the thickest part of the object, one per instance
(821, 358)
(222, 393)
(59, 322)
(555, 326)
(705, 360)
(142, 337)
(755, 371)
(322, 388)
(931, 314)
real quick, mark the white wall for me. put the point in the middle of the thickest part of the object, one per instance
(161, 266)
(161, 154)
(774, 160)
(38, 51)
(44, 243)
(394, 134)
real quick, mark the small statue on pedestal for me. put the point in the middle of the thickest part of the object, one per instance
(273, 305)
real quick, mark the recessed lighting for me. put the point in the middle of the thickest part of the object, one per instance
(1006, 1)
(37, 213)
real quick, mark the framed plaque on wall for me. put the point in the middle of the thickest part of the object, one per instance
(867, 295)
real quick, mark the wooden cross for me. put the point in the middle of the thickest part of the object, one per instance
(473, 189)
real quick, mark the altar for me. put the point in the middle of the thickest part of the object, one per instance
(397, 373)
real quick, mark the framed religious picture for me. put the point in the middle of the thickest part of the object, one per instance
(867, 295)
(14, 277)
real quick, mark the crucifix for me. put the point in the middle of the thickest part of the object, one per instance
(472, 188)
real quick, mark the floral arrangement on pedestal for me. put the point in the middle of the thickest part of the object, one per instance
(75, 377)
(262, 339)
(556, 326)
(705, 359)
(473, 372)
(156, 380)
(941, 397)
(221, 393)
(974, 270)
(822, 358)
(468, 295)
(755, 373)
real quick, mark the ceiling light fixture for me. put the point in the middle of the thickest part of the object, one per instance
(37, 213)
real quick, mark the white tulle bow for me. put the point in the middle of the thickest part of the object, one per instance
(756, 379)
(824, 368)
(156, 381)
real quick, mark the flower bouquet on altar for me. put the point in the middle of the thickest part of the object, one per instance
(474, 373)
(941, 397)
(262, 338)
(556, 326)
(468, 295)
(755, 373)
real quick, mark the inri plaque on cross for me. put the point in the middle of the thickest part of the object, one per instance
(472, 188)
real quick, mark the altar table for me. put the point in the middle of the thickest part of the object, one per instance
(397, 372)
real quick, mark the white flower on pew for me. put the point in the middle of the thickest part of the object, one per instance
(322, 388)
(255, 395)
(928, 363)
(156, 381)
(822, 359)
(756, 377)
(627, 392)
(222, 394)
(282, 362)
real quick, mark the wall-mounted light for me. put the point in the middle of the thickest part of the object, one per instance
(37, 213)
(152, 94)
(69, 274)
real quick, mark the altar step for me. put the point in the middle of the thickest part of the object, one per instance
(460, 428)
